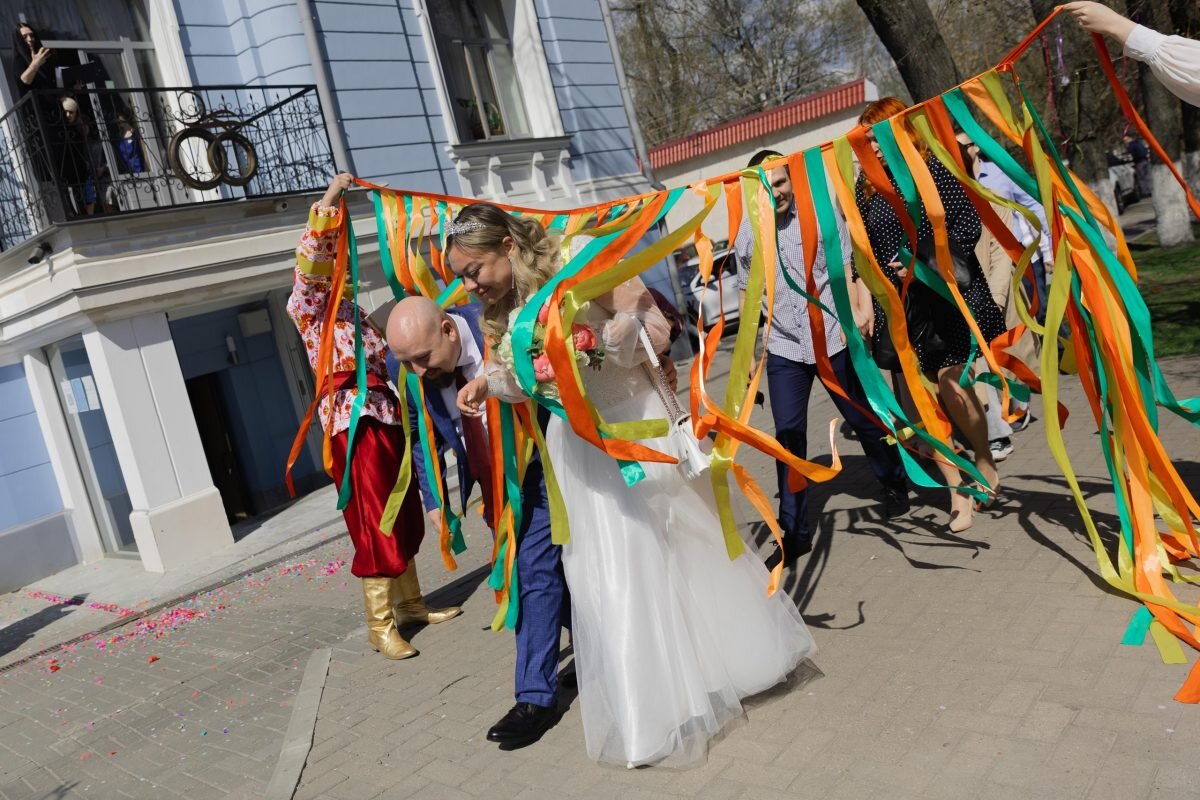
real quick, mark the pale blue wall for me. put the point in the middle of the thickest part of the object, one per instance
(28, 489)
(585, 82)
(241, 42)
(383, 83)
(262, 418)
(385, 93)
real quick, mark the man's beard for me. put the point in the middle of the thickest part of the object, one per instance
(443, 380)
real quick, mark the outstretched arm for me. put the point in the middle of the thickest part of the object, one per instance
(1099, 18)
(632, 308)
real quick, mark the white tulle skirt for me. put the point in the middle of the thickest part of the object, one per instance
(669, 633)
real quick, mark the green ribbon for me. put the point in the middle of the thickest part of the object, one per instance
(360, 370)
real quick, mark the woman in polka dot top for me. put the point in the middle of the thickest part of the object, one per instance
(942, 366)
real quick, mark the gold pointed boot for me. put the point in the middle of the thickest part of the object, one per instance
(410, 605)
(381, 620)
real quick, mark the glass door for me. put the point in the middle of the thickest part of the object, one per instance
(94, 450)
(125, 132)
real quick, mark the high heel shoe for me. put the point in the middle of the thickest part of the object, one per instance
(962, 511)
(987, 468)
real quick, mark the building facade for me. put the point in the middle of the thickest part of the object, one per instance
(152, 194)
(797, 125)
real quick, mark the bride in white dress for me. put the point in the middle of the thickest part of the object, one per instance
(669, 633)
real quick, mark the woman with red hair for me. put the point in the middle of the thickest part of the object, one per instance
(944, 347)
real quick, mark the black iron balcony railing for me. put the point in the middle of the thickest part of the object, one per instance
(72, 155)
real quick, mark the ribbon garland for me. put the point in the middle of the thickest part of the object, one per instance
(1093, 292)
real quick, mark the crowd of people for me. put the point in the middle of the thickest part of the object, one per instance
(645, 584)
(669, 633)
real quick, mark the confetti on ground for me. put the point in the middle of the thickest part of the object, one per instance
(151, 659)
(333, 567)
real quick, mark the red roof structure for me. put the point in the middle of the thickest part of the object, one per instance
(798, 111)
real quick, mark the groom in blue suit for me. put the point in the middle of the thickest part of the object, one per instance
(444, 349)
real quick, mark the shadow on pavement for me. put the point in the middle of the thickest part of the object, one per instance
(21, 631)
(1036, 510)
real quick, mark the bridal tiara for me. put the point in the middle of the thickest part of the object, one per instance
(455, 228)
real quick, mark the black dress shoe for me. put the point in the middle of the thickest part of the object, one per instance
(568, 679)
(523, 724)
(895, 503)
(794, 546)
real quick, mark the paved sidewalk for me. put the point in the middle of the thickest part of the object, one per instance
(91, 597)
(984, 664)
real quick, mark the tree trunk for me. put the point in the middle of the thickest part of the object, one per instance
(911, 35)
(1191, 146)
(1165, 118)
(1185, 14)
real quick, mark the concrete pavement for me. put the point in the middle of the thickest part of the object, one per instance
(982, 664)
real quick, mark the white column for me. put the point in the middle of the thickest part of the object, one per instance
(177, 513)
(63, 460)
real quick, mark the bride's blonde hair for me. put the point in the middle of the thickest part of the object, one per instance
(535, 261)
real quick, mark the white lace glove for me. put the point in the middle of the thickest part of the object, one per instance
(502, 384)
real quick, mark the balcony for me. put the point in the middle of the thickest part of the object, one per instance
(87, 154)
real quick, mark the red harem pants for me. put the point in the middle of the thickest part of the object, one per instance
(377, 456)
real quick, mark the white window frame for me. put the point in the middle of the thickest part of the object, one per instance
(529, 61)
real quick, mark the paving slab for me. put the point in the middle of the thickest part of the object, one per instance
(981, 664)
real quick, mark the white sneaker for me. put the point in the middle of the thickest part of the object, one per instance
(1001, 448)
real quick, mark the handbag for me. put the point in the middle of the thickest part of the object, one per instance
(963, 260)
(693, 461)
(922, 332)
(921, 304)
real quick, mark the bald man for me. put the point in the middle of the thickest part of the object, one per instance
(444, 349)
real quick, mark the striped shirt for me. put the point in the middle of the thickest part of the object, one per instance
(790, 335)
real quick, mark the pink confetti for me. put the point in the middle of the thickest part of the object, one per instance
(333, 567)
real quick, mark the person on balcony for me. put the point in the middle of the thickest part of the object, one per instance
(32, 69)
(32, 62)
(384, 561)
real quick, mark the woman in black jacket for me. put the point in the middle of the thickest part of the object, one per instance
(945, 350)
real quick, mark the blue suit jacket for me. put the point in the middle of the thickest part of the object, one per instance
(445, 434)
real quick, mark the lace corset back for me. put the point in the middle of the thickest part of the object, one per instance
(612, 387)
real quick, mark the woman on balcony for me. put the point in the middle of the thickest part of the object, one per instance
(32, 67)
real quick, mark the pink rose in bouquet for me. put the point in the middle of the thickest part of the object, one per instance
(542, 369)
(543, 314)
(583, 338)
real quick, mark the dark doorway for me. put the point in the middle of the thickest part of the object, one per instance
(212, 420)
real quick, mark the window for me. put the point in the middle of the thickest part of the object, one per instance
(475, 50)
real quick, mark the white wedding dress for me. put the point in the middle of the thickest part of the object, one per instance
(669, 633)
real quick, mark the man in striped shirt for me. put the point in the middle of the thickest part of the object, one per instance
(792, 365)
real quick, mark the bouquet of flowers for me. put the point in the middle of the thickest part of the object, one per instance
(584, 344)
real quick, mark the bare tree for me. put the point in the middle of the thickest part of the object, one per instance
(1165, 118)
(910, 33)
(696, 63)
(1085, 118)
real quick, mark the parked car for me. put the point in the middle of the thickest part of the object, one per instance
(720, 297)
(1125, 191)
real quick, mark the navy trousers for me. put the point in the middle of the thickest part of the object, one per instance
(790, 384)
(545, 604)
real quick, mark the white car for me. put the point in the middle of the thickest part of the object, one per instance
(719, 298)
(1125, 191)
